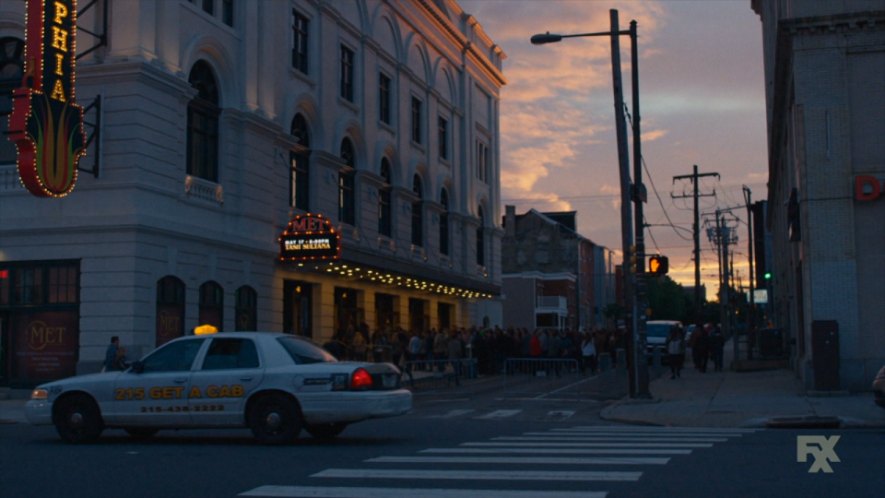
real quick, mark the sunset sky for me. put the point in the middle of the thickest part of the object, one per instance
(702, 101)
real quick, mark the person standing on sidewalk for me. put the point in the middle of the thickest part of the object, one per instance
(717, 347)
(455, 353)
(675, 352)
(588, 352)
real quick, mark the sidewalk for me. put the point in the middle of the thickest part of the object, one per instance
(772, 398)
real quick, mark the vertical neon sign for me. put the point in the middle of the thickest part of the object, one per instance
(46, 124)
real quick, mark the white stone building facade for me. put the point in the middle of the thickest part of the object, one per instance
(220, 121)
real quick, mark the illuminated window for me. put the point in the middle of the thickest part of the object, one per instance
(299, 165)
(202, 124)
(346, 176)
(11, 69)
(170, 309)
(211, 305)
(385, 227)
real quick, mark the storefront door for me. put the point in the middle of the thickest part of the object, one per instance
(297, 306)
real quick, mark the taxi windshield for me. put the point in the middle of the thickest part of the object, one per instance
(303, 351)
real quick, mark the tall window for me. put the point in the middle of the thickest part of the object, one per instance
(299, 159)
(346, 195)
(170, 309)
(417, 113)
(12, 65)
(442, 125)
(384, 92)
(227, 12)
(347, 74)
(384, 221)
(211, 305)
(202, 124)
(417, 212)
(209, 6)
(300, 26)
(444, 223)
(483, 162)
(480, 238)
(246, 312)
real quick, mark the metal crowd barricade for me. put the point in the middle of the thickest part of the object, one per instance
(541, 367)
(431, 373)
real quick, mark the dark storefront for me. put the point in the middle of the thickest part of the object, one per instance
(39, 321)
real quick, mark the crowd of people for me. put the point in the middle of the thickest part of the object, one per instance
(707, 344)
(490, 347)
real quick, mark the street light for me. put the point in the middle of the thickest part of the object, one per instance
(634, 283)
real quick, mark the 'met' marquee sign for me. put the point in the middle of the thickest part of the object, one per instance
(46, 124)
(310, 237)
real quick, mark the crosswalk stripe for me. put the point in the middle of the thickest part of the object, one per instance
(594, 445)
(623, 439)
(452, 414)
(524, 460)
(499, 414)
(639, 433)
(559, 451)
(503, 475)
(621, 428)
(368, 492)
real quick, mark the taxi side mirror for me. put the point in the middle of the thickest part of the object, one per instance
(137, 367)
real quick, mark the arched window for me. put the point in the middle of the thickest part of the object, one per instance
(12, 65)
(385, 227)
(211, 304)
(480, 238)
(246, 311)
(346, 175)
(202, 124)
(444, 223)
(299, 177)
(418, 212)
(170, 309)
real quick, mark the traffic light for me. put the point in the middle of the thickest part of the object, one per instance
(658, 265)
(767, 275)
(634, 260)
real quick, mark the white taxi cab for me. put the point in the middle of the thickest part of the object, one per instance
(275, 384)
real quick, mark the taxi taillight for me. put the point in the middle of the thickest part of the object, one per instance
(361, 379)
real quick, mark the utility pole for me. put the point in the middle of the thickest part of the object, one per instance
(695, 176)
(751, 315)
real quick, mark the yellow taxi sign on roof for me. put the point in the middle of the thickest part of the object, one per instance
(205, 329)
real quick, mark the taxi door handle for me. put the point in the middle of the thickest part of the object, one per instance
(179, 381)
(245, 379)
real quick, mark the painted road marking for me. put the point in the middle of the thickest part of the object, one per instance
(487, 475)
(524, 460)
(367, 492)
(559, 451)
(593, 445)
(499, 414)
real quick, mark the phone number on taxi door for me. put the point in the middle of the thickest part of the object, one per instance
(178, 409)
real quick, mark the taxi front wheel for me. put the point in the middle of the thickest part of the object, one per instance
(77, 419)
(275, 419)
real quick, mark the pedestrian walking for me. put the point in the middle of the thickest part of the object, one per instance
(717, 347)
(675, 352)
(114, 356)
(588, 352)
(455, 352)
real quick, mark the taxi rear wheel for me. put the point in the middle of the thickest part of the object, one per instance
(77, 419)
(275, 419)
(326, 431)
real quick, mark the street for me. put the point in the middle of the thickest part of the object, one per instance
(526, 437)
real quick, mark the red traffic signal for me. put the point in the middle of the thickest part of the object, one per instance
(658, 265)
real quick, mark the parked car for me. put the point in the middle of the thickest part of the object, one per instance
(275, 384)
(656, 333)
(879, 387)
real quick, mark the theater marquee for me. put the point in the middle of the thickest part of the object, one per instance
(46, 124)
(310, 237)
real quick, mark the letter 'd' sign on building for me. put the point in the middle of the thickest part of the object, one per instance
(310, 237)
(46, 124)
